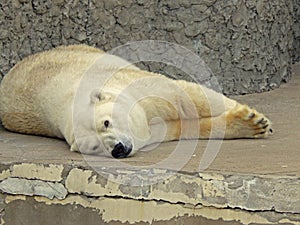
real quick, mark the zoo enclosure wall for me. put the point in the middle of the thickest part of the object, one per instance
(248, 44)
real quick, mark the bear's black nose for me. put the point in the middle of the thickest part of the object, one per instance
(121, 151)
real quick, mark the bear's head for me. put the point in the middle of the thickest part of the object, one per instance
(119, 127)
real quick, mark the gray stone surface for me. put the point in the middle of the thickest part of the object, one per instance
(253, 193)
(249, 45)
(21, 186)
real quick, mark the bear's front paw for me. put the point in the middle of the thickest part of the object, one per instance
(245, 122)
(261, 125)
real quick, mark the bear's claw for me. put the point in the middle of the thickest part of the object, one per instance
(262, 126)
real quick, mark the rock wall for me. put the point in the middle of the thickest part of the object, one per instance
(249, 45)
(296, 34)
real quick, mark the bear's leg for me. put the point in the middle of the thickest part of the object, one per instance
(219, 116)
(25, 123)
(207, 102)
(239, 122)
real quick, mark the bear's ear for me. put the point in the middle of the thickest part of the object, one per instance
(97, 96)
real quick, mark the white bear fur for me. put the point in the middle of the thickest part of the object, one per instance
(38, 96)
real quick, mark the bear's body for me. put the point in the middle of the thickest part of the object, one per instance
(44, 94)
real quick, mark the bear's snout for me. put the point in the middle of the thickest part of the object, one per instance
(121, 151)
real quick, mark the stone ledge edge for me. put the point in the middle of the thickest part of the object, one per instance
(223, 191)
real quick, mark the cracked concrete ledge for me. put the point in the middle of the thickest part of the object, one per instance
(119, 194)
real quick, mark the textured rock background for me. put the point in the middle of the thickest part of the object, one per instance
(296, 30)
(249, 45)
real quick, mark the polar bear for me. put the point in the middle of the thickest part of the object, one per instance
(100, 103)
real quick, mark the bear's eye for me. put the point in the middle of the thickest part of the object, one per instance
(106, 123)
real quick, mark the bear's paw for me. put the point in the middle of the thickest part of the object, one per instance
(245, 122)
